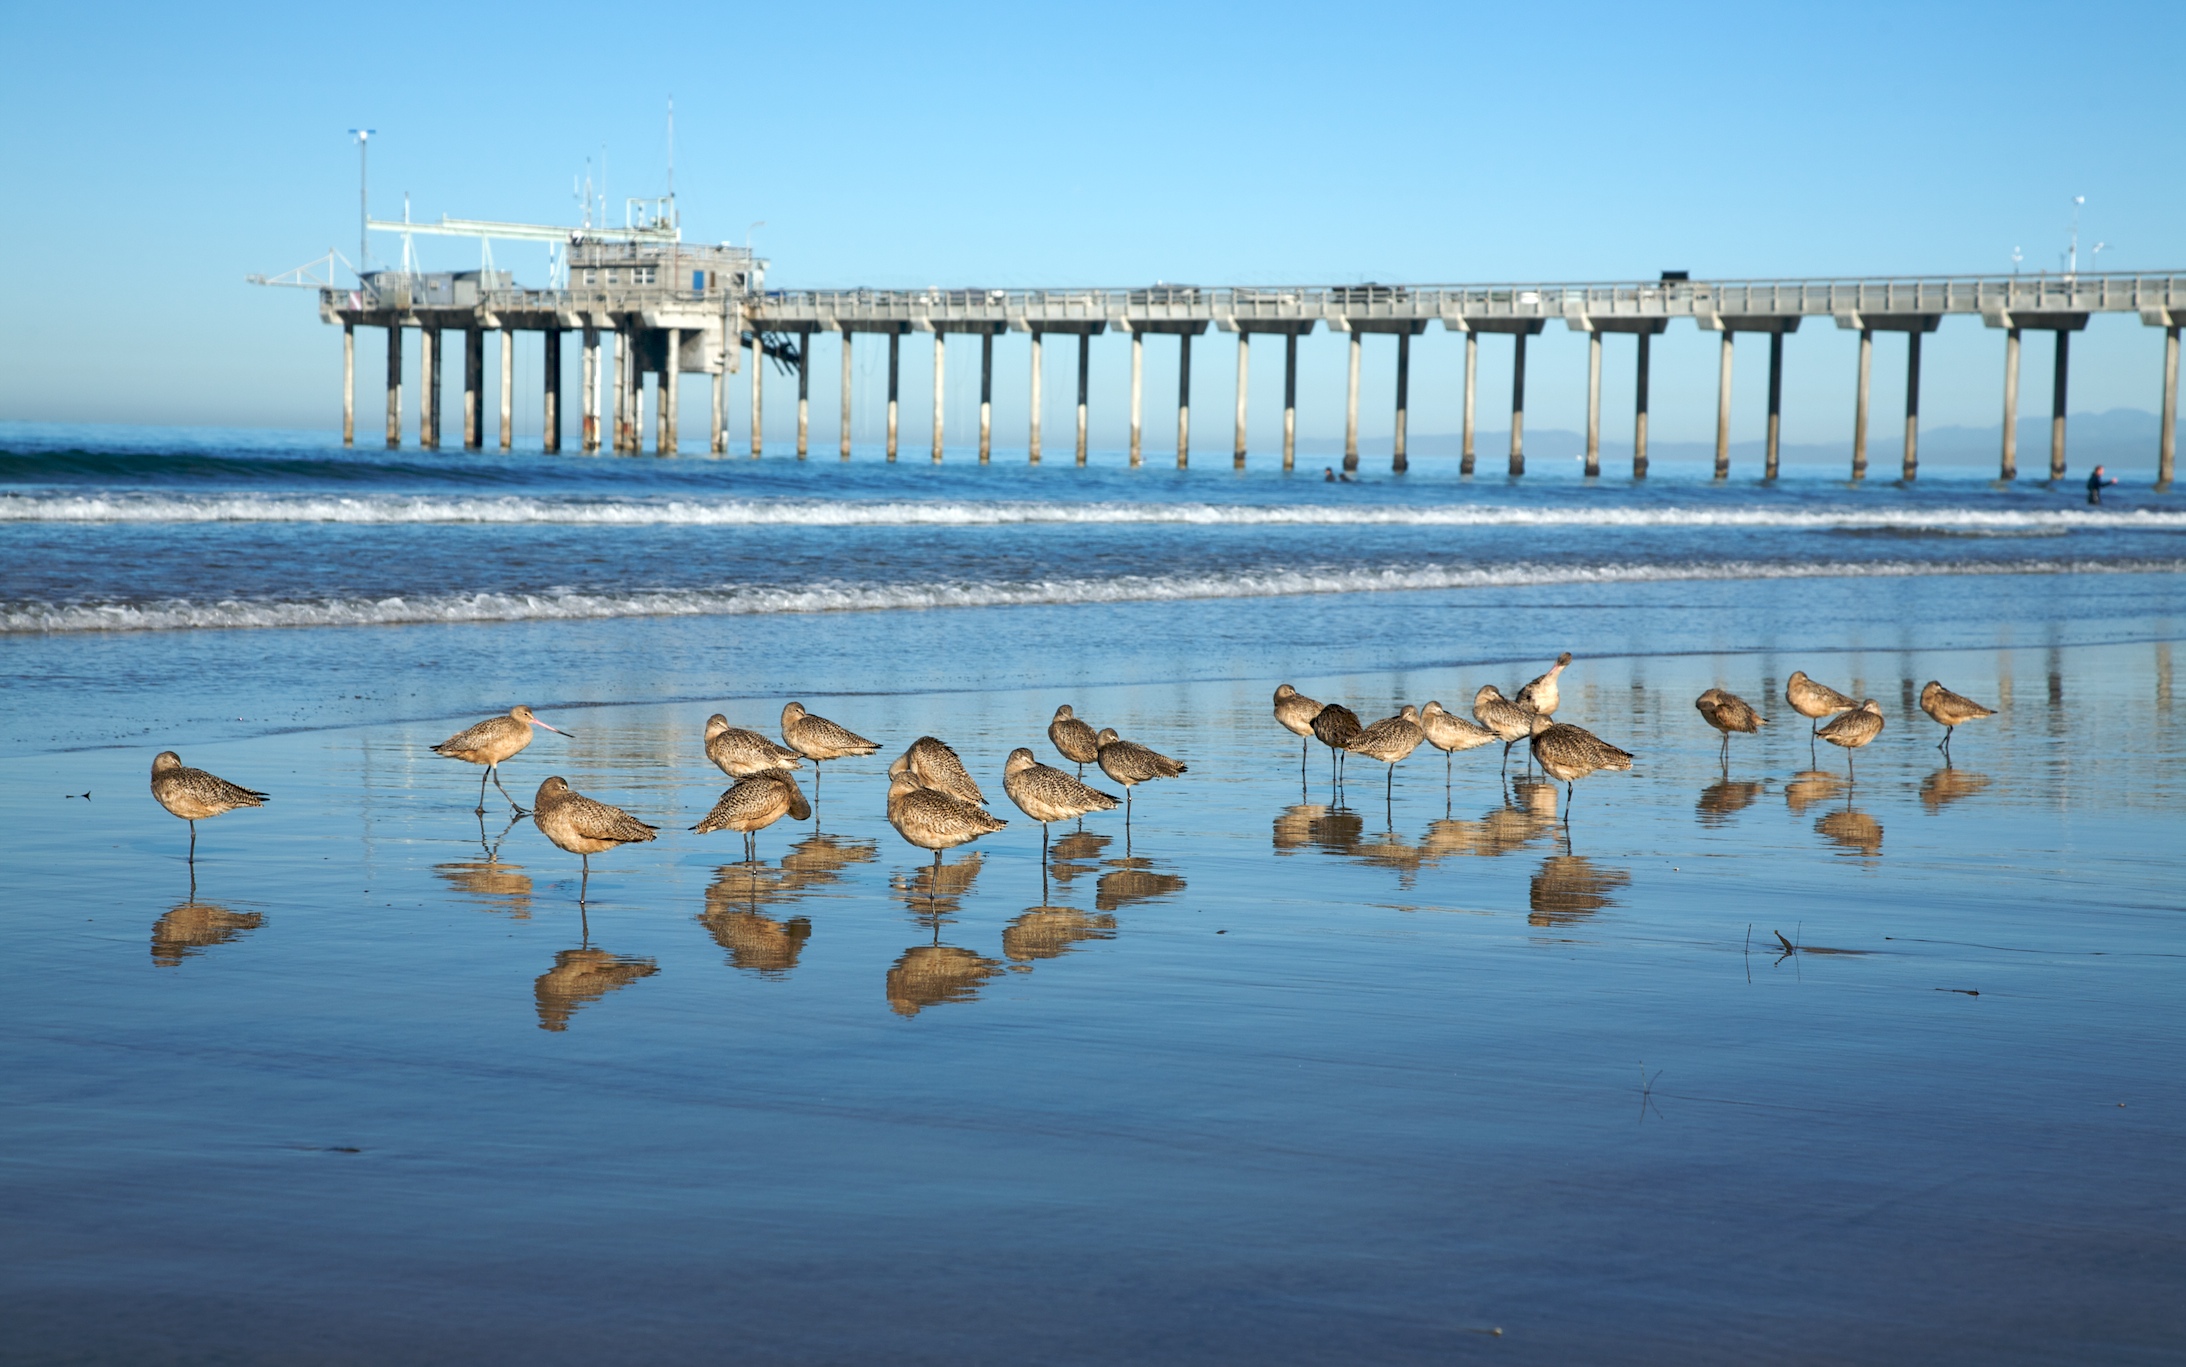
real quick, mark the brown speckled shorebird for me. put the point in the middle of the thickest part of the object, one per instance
(820, 740)
(1046, 794)
(932, 764)
(1950, 711)
(492, 741)
(195, 795)
(1390, 740)
(1130, 764)
(1814, 701)
(1073, 739)
(753, 804)
(740, 753)
(1450, 733)
(1294, 712)
(1541, 694)
(1727, 712)
(1569, 753)
(1510, 722)
(582, 826)
(935, 820)
(1854, 729)
(1334, 726)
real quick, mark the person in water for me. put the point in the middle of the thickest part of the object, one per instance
(2095, 484)
(1329, 476)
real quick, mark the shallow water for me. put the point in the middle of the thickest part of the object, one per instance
(1268, 1077)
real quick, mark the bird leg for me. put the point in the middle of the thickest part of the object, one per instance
(193, 852)
(495, 770)
(584, 879)
(482, 790)
(1043, 850)
(1567, 805)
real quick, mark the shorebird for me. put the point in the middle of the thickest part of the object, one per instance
(753, 804)
(1509, 722)
(1727, 712)
(1294, 712)
(195, 795)
(740, 753)
(492, 741)
(1450, 733)
(1130, 764)
(1047, 794)
(1950, 711)
(1073, 739)
(582, 826)
(1854, 729)
(820, 740)
(1390, 740)
(934, 820)
(1334, 726)
(1541, 695)
(934, 765)
(1812, 700)
(1569, 753)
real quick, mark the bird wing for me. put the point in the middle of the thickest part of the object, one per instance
(834, 737)
(603, 822)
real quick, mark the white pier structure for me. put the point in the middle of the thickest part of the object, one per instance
(671, 308)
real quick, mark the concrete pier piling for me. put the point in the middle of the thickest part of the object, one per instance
(1138, 375)
(804, 393)
(941, 360)
(986, 397)
(2057, 405)
(1398, 461)
(1244, 380)
(2167, 436)
(717, 424)
(1859, 404)
(1183, 400)
(507, 406)
(667, 429)
(394, 388)
(550, 407)
(1639, 406)
(758, 394)
(1351, 406)
(2008, 469)
(1723, 407)
(1911, 468)
(895, 344)
(428, 396)
(1593, 403)
(1032, 406)
(1085, 342)
(1518, 404)
(349, 384)
(1472, 390)
(1774, 447)
(474, 388)
(1290, 401)
(844, 446)
(618, 432)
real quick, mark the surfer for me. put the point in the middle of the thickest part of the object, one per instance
(2095, 483)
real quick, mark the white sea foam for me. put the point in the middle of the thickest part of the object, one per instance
(570, 604)
(522, 510)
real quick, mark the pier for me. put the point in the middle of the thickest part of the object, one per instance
(663, 308)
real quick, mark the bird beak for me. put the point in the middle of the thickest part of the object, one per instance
(555, 729)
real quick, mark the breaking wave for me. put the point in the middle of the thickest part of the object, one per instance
(574, 604)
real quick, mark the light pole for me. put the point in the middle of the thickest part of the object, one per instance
(364, 203)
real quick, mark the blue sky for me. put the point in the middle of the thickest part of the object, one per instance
(159, 154)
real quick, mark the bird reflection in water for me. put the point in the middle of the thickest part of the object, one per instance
(582, 976)
(1948, 785)
(928, 975)
(1131, 880)
(1810, 787)
(193, 927)
(936, 891)
(756, 942)
(1854, 832)
(1076, 854)
(1335, 829)
(1725, 798)
(1050, 932)
(1571, 887)
(486, 881)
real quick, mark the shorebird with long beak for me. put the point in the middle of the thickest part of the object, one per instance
(1047, 794)
(492, 741)
(820, 740)
(1390, 740)
(1727, 712)
(934, 820)
(1130, 764)
(195, 795)
(1450, 733)
(1569, 753)
(1073, 739)
(1294, 712)
(1854, 729)
(1510, 722)
(753, 804)
(740, 753)
(583, 826)
(1950, 711)
(1541, 695)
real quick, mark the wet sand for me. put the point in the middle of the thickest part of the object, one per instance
(1278, 1075)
